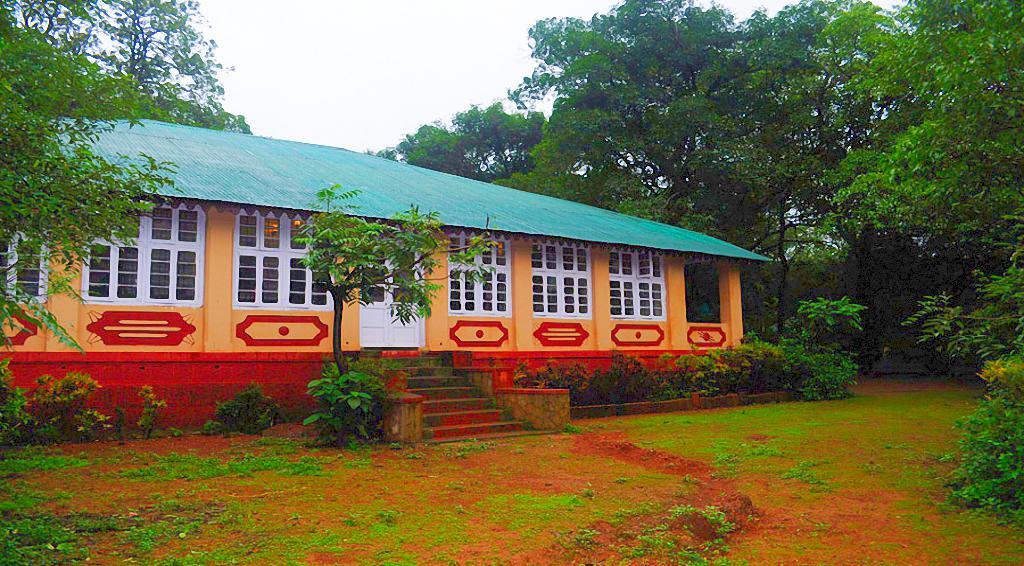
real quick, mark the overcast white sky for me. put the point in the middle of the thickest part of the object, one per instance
(360, 74)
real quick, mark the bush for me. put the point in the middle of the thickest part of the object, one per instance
(818, 375)
(151, 406)
(59, 408)
(352, 405)
(16, 423)
(992, 448)
(250, 412)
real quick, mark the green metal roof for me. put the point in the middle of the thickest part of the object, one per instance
(238, 168)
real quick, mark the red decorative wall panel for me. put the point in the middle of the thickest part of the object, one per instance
(140, 328)
(706, 336)
(637, 335)
(480, 333)
(561, 334)
(18, 336)
(281, 330)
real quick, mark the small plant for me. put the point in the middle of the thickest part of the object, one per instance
(352, 405)
(151, 406)
(250, 412)
(59, 407)
(16, 423)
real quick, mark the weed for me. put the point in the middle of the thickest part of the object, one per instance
(571, 429)
(715, 516)
(188, 467)
(414, 456)
(37, 459)
(620, 480)
(387, 517)
(581, 538)
(464, 449)
(358, 463)
(802, 471)
(588, 493)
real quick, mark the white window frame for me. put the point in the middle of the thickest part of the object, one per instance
(498, 264)
(146, 244)
(284, 252)
(630, 283)
(9, 261)
(547, 259)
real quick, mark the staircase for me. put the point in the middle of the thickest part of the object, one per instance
(453, 409)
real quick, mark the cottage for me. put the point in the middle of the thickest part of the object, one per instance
(213, 295)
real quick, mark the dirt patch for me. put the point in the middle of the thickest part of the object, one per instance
(615, 445)
(290, 430)
(760, 437)
(697, 521)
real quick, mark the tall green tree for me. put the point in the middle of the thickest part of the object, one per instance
(56, 195)
(158, 43)
(486, 144)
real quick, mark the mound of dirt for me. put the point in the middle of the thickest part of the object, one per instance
(615, 446)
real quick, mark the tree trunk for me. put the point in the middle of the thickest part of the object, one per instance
(339, 307)
(781, 313)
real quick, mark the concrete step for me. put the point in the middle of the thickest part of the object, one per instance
(462, 417)
(414, 371)
(446, 392)
(471, 430)
(430, 381)
(494, 436)
(409, 358)
(435, 406)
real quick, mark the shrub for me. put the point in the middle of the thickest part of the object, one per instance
(352, 405)
(250, 412)
(574, 377)
(59, 408)
(625, 381)
(818, 375)
(16, 423)
(989, 474)
(151, 406)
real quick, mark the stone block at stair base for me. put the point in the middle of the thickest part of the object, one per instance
(404, 422)
(541, 409)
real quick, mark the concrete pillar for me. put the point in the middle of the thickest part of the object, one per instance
(602, 299)
(218, 280)
(675, 300)
(731, 300)
(522, 296)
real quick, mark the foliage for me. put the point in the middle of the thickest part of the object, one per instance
(388, 370)
(249, 412)
(364, 260)
(989, 474)
(485, 144)
(16, 423)
(993, 328)
(151, 406)
(59, 196)
(825, 316)
(58, 406)
(352, 405)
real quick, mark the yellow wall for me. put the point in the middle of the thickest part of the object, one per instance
(216, 322)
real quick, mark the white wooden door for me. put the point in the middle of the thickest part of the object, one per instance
(379, 328)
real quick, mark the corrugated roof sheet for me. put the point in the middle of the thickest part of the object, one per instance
(244, 169)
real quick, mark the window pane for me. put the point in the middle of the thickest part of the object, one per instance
(296, 231)
(99, 271)
(185, 289)
(28, 275)
(627, 264)
(551, 289)
(613, 263)
(188, 225)
(296, 282)
(615, 289)
(161, 223)
(702, 300)
(247, 231)
(581, 296)
(536, 257)
(160, 274)
(550, 259)
(247, 279)
(271, 233)
(501, 253)
(627, 298)
(581, 259)
(319, 291)
(567, 258)
(128, 273)
(270, 279)
(538, 293)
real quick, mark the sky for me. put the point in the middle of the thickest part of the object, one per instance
(360, 74)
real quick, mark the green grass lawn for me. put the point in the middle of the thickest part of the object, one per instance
(853, 481)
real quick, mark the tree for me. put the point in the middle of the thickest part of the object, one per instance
(56, 195)
(358, 259)
(486, 144)
(157, 43)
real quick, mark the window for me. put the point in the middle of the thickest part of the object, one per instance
(487, 297)
(26, 272)
(561, 280)
(162, 267)
(702, 299)
(637, 285)
(268, 264)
